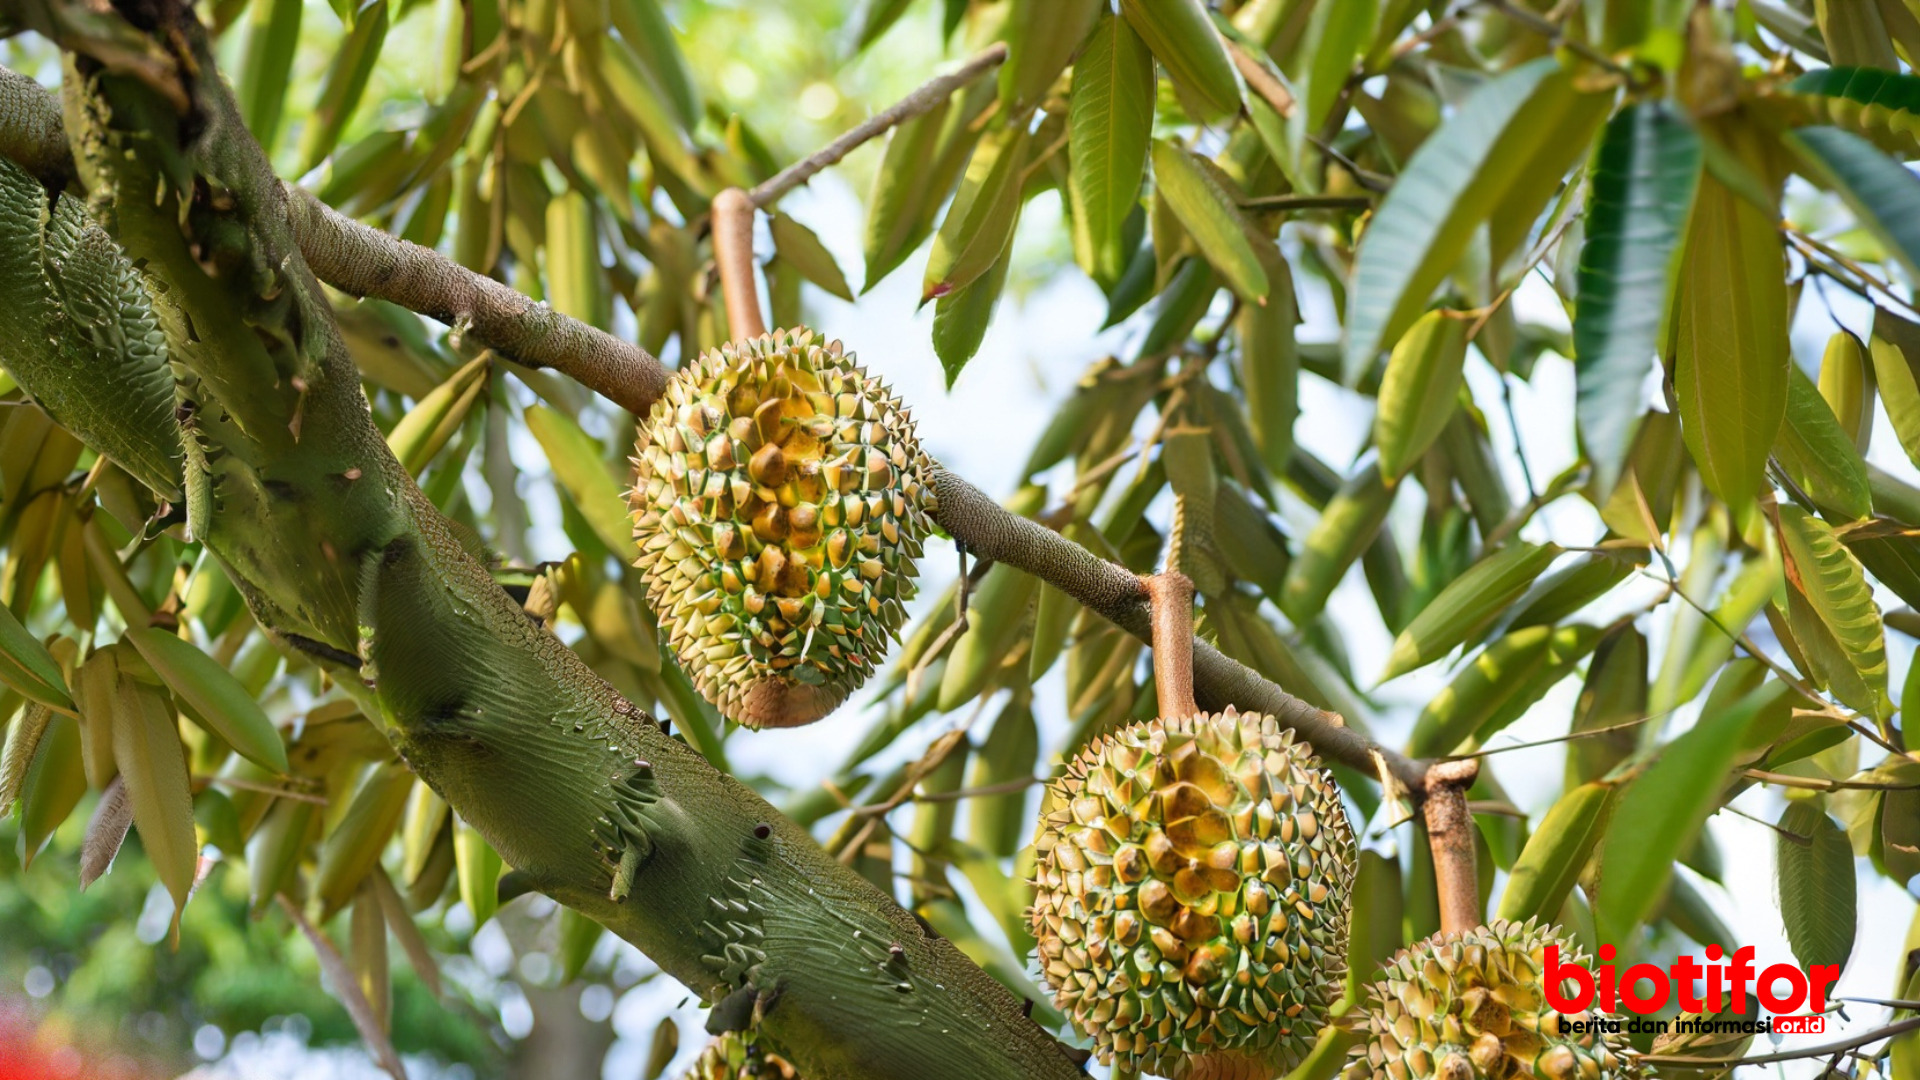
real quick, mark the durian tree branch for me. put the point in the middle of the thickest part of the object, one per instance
(987, 529)
(366, 261)
(289, 483)
(930, 94)
(1112, 591)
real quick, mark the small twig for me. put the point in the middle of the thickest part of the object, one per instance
(1786, 834)
(1812, 783)
(1569, 737)
(1007, 787)
(269, 789)
(1307, 202)
(347, 989)
(1260, 80)
(1554, 34)
(1886, 1032)
(924, 99)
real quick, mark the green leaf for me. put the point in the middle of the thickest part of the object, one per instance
(1224, 234)
(924, 158)
(1555, 854)
(1109, 119)
(266, 66)
(800, 246)
(1499, 684)
(1467, 605)
(1183, 38)
(1336, 32)
(646, 31)
(1825, 573)
(146, 747)
(1880, 104)
(28, 667)
(1730, 341)
(997, 621)
(213, 697)
(344, 84)
(1846, 386)
(1883, 194)
(1895, 350)
(1813, 879)
(1350, 521)
(1819, 456)
(979, 225)
(1420, 390)
(875, 19)
(1452, 185)
(581, 470)
(434, 419)
(1643, 184)
(478, 867)
(1269, 368)
(1041, 37)
(960, 319)
(1657, 817)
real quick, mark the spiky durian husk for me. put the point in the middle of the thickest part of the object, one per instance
(779, 502)
(1192, 883)
(1471, 1006)
(736, 1056)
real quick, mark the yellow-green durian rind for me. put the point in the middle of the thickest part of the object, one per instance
(1472, 1006)
(780, 499)
(1192, 883)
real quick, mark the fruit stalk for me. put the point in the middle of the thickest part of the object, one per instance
(733, 254)
(1171, 594)
(1450, 832)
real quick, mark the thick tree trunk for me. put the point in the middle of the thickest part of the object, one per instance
(288, 481)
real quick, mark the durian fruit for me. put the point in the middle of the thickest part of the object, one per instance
(1192, 881)
(1471, 1006)
(738, 1056)
(779, 502)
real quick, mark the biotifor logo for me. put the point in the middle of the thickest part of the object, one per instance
(1727, 984)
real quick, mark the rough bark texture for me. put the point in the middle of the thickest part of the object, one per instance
(288, 481)
(364, 261)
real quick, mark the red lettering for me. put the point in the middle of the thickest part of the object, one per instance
(1633, 1000)
(1739, 974)
(1794, 979)
(1684, 972)
(1558, 975)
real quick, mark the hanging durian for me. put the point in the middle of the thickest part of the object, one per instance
(737, 1056)
(1471, 1006)
(1192, 884)
(780, 501)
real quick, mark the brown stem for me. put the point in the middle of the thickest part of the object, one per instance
(733, 253)
(1113, 592)
(930, 94)
(365, 261)
(1450, 832)
(1171, 595)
